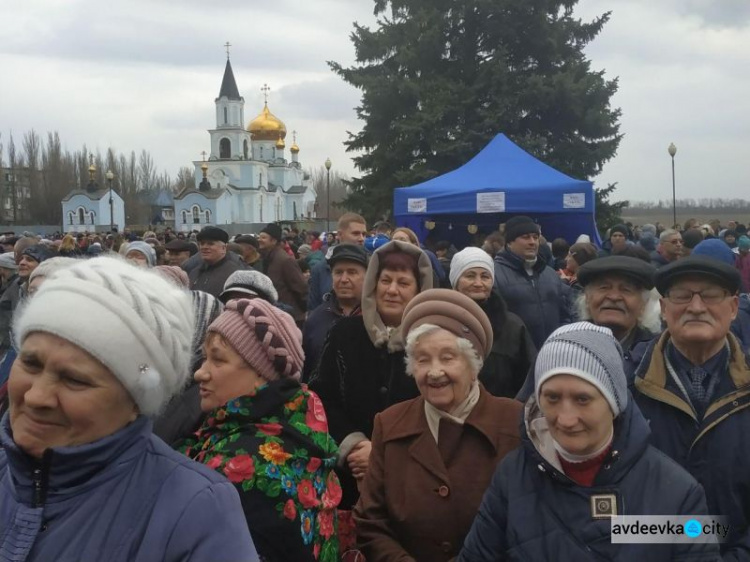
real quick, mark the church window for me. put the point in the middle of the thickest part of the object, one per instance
(208, 216)
(225, 115)
(225, 148)
(294, 208)
(80, 216)
(91, 217)
(261, 153)
(70, 217)
(244, 149)
(184, 217)
(196, 215)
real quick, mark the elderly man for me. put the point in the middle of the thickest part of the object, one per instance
(283, 271)
(215, 265)
(352, 229)
(348, 263)
(669, 249)
(531, 288)
(693, 385)
(250, 251)
(617, 293)
(179, 251)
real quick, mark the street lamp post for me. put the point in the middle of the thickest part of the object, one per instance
(110, 176)
(328, 195)
(672, 151)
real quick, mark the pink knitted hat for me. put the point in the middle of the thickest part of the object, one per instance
(174, 274)
(265, 336)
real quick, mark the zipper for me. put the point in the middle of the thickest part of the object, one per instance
(40, 478)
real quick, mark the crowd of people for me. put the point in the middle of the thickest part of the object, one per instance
(356, 396)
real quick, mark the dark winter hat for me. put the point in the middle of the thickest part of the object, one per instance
(247, 239)
(348, 252)
(273, 230)
(743, 243)
(518, 226)
(178, 245)
(621, 228)
(38, 253)
(212, 233)
(636, 270)
(452, 311)
(701, 266)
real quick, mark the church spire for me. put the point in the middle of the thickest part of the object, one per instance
(228, 84)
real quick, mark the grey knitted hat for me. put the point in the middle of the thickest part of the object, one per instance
(587, 351)
(146, 249)
(252, 283)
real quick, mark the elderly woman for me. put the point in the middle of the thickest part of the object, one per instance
(404, 234)
(268, 434)
(361, 370)
(472, 273)
(81, 475)
(585, 459)
(141, 254)
(433, 457)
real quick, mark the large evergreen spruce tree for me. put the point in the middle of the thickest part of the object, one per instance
(440, 78)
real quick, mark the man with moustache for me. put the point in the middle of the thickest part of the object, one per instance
(215, 266)
(179, 251)
(693, 385)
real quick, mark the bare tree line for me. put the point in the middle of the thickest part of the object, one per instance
(714, 204)
(51, 172)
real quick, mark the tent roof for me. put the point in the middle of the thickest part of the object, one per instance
(529, 185)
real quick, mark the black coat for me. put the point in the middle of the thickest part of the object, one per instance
(211, 278)
(533, 511)
(355, 380)
(542, 300)
(513, 352)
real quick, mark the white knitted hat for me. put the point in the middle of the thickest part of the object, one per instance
(587, 351)
(133, 321)
(468, 258)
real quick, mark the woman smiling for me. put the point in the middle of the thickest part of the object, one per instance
(102, 347)
(433, 456)
(585, 459)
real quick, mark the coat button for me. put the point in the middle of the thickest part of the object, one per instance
(443, 491)
(446, 546)
(383, 390)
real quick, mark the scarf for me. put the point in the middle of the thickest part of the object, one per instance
(457, 414)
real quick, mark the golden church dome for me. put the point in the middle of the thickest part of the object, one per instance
(280, 144)
(267, 126)
(295, 148)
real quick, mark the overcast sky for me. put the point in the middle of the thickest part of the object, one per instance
(144, 74)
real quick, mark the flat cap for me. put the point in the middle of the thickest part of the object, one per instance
(636, 270)
(247, 239)
(699, 266)
(452, 311)
(212, 233)
(348, 252)
(178, 245)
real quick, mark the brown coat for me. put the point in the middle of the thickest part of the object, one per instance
(288, 280)
(413, 505)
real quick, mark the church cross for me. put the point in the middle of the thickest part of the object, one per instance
(265, 89)
(226, 46)
(204, 155)
(294, 136)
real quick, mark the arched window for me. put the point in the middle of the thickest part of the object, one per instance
(261, 153)
(80, 216)
(225, 115)
(184, 217)
(225, 148)
(208, 216)
(244, 148)
(196, 215)
(91, 216)
(70, 217)
(294, 209)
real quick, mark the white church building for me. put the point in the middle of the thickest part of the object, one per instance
(93, 209)
(247, 177)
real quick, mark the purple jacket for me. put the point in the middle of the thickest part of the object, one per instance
(127, 497)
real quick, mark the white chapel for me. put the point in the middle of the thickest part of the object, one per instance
(246, 177)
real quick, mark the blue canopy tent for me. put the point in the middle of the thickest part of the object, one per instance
(501, 181)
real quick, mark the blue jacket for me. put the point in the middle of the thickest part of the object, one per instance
(319, 284)
(125, 498)
(542, 300)
(715, 449)
(533, 512)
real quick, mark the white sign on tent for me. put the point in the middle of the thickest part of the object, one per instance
(417, 205)
(491, 202)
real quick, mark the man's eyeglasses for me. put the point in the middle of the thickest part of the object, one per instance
(708, 296)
